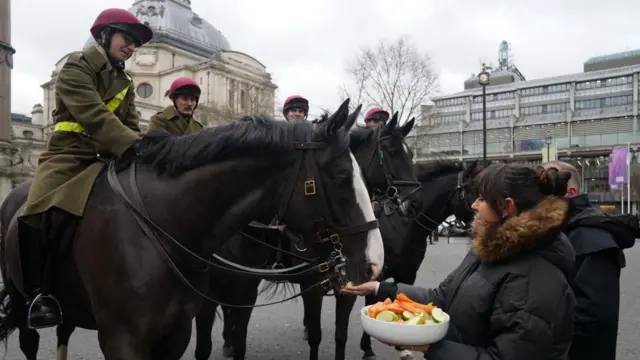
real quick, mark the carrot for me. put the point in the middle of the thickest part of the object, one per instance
(394, 308)
(428, 308)
(375, 309)
(400, 321)
(387, 301)
(404, 298)
(410, 307)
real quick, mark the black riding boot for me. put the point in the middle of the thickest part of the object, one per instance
(43, 309)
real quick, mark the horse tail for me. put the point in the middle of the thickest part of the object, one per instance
(272, 288)
(9, 317)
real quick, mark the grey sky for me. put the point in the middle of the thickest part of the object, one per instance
(305, 44)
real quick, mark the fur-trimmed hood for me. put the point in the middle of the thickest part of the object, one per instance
(532, 229)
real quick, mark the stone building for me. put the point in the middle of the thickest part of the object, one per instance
(184, 44)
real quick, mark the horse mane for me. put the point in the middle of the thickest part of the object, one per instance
(429, 170)
(359, 135)
(174, 155)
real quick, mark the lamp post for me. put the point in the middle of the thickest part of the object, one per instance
(547, 141)
(484, 80)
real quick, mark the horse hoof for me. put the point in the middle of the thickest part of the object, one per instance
(227, 351)
(305, 335)
(406, 355)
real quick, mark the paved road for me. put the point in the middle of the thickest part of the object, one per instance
(276, 332)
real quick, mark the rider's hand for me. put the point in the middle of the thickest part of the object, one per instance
(368, 288)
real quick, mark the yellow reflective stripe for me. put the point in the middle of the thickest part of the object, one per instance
(71, 126)
(117, 100)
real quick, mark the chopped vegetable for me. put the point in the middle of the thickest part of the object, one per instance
(403, 310)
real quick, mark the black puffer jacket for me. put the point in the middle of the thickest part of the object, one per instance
(510, 298)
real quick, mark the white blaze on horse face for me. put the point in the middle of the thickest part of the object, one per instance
(375, 248)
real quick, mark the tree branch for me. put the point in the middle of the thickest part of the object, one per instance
(394, 76)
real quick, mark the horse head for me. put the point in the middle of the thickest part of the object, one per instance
(331, 209)
(387, 163)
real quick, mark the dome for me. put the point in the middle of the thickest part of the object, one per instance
(174, 23)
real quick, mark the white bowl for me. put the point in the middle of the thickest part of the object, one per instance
(403, 334)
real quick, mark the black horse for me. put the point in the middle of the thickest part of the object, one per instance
(446, 190)
(141, 279)
(387, 167)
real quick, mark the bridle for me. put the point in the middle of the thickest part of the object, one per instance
(391, 194)
(326, 232)
(461, 191)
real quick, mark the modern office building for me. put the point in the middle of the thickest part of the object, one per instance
(582, 115)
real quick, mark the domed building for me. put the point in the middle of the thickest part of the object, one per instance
(184, 44)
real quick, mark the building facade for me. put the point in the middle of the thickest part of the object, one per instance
(584, 115)
(184, 44)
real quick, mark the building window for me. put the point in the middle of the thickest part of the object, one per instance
(604, 102)
(144, 90)
(28, 134)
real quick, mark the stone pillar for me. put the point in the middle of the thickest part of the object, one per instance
(6, 64)
(7, 151)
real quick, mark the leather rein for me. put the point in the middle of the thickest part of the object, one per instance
(332, 270)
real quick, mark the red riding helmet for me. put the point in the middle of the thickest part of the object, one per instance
(184, 86)
(376, 113)
(295, 102)
(123, 21)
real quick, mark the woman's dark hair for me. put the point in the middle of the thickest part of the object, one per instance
(526, 186)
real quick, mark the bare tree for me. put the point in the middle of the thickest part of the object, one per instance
(395, 76)
(255, 101)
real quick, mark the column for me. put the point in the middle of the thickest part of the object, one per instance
(6, 64)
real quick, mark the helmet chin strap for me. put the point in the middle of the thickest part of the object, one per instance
(106, 45)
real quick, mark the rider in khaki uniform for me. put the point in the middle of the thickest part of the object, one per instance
(95, 120)
(295, 108)
(178, 118)
(375, 117)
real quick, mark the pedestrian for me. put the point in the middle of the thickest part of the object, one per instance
(510, 297)
(598, 240)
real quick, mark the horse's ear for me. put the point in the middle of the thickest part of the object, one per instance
(337, 119)
(406, 128)
(391, 125)
(351, 119)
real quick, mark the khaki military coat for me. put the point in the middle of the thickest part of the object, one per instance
(170, 120)
(68, 168)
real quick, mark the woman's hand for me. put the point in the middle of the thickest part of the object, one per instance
(368, 288)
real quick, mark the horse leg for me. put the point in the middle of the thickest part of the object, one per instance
(305, 333)
(173, 345)
(63, 332)
(344, 305)
(204, 325)
(29, 341)
(365, 341)
(241, 319)
(313, 312)
(228, 333)
(121, 344)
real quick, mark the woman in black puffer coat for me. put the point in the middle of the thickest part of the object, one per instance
(509, 299)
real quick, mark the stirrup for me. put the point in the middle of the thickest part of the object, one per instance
(42, 297)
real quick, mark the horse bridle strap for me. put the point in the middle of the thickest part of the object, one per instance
(142, 218)
(313, 190)
(461, 196)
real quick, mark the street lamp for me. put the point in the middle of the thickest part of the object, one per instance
(547, 141)
(484, 80)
